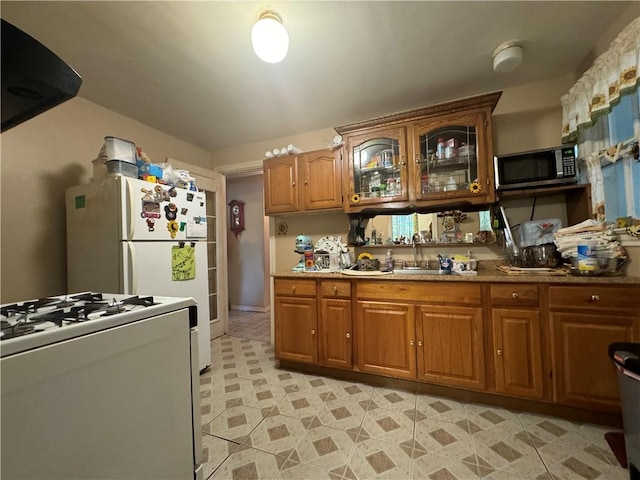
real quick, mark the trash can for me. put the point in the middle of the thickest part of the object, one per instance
(626, 357)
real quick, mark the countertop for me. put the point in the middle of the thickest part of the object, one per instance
(487, 274)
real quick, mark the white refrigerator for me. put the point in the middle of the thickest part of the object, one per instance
(139, 238)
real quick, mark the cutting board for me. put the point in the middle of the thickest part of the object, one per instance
(530, 271)
(365, 273)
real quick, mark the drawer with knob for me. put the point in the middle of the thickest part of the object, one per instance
(294, 287)
(336, 289)
(515, 295)
(596, 296)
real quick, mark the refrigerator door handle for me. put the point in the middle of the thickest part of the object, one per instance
(129, 210)
(131, 287)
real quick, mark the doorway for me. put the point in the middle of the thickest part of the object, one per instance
(248, 261)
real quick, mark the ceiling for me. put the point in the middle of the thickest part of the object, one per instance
(187, 68)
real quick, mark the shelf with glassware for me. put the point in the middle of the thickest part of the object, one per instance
(439, 156)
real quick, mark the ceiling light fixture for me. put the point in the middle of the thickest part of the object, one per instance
(507, 56)
(269, 38)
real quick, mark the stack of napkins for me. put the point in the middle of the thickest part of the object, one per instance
(568, 238)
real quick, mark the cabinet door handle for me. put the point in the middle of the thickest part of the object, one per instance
(306, 182)
(313, 332)
(293, 184)
(335, 289)
(417, 158)
(419, 343)
(411, 342)
(348, 335)
(293, 289)
(595, 298)
(514, 295)
(499, 352)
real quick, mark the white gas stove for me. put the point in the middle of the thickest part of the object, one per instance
(36, 323)
(112, 378)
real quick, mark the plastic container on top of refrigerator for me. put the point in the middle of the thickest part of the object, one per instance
(118, 149)
(118, 167)
(116, 157)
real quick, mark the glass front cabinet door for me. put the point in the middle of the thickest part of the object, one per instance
(451, 159)
(434, 157)
(377, 168)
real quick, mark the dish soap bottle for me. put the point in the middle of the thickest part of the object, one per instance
(389, 260)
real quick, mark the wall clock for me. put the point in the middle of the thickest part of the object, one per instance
(236, 215)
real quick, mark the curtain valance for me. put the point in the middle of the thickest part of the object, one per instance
(612, 74)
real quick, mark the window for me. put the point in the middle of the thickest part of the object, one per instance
(620, 174)
(403, 226)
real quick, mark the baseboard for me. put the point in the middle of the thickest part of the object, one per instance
(250, 308)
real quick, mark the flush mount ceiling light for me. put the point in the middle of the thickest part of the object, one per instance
(507, 57)
(269, 38)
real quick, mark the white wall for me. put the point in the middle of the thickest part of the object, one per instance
(41, 158)
(248, 269)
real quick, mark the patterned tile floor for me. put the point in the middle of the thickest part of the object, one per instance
(253, 325)
(260, 422)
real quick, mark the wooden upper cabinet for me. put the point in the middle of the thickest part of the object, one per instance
(298, 183)
(281, 185)
(376, 168)
(452, 159)
(321, 179)
(434, 156)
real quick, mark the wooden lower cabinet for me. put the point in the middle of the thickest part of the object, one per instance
(584, 321)
(335, 333)
(434, 332)
(295, 329)
(385, 334)
(585, 376)
(517, 352)
(450, 346)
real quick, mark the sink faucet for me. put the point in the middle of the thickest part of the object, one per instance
(415, 240)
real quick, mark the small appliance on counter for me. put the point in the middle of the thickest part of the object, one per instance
(303, 244)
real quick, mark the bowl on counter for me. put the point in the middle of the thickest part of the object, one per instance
(608, 263)
(534, 256)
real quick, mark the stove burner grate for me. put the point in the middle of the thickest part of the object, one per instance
(88, 297)
(17, 330)
(142, 301)
(25, 307)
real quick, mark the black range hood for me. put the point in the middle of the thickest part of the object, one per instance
(34, 79)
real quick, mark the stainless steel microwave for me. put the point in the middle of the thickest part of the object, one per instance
(537, 168)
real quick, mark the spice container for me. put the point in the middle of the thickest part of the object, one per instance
(440, 148)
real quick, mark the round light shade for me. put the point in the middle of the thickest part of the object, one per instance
(269, 38)
(507, 57)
